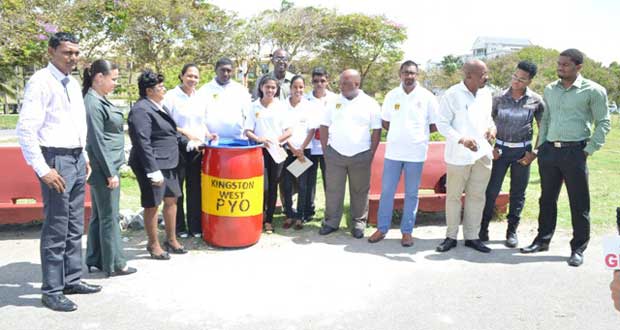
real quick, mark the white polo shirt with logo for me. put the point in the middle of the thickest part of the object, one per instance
(410, 116)
(350, 122)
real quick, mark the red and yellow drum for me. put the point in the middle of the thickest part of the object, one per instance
(232, 193)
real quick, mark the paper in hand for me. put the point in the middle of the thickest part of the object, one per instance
(297, 168)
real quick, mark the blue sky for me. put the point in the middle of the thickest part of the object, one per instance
(441, 27)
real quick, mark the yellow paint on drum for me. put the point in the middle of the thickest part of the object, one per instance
(232, 197)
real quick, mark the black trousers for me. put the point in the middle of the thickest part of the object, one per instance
(189, 175)
(318, 161)
(61, 234)
(303, 211)
(519, 178)
(564, 165)
(273, 172)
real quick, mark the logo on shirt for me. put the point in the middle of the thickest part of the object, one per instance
(338, 106)
(215, 96)
(257, 114)
(397, 106)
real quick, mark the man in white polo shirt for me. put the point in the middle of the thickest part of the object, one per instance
(349, 148)
(409, 110)
(226, 102)
(465, 120)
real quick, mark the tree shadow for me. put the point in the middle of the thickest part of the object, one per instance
(16, 284)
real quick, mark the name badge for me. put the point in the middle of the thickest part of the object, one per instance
(611, 252)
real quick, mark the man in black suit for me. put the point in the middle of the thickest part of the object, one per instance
(154, 158)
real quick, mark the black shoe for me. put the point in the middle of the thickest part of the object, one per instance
(477, 245)
(446, 245)
(535, 247)
(484, 235)
(170, 249)
(82, 288)
(357, 233)
(326, 230)
(511, 240)
(121, 272)
(58, 302)
(576, 259)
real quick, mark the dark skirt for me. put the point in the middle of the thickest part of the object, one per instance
(152, 196)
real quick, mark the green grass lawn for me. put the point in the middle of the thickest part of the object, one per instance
(604, 169)
(8, 121)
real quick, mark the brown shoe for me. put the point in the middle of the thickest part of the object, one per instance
(376, 237)
(407, 240)
(299, 225)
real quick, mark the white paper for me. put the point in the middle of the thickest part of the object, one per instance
(277, 152)
(484, 148)
(611, 252)
(297, 168)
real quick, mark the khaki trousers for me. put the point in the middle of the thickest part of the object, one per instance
(473, 180)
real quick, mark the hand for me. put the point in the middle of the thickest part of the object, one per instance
(113, 182)
(89, 170)
(496, 153)
(469, 143)
(54, 181)
(264, 141)
(212, 136)
(586, 153)
(489, 135)
(157, 183)
(527, 159)
(614, 286)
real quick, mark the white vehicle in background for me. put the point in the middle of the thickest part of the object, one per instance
(612, 107)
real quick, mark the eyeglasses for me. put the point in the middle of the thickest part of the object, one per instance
(317, 81)
(280, 59)
(521, 80)
(409, 73)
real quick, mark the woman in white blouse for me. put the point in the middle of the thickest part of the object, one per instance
(182, 104)
(300, 113)
(267, 123)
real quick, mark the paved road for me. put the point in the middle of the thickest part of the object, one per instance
(300, 280)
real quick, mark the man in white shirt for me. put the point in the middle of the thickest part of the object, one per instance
(52, 134)
(349, 148)
(408, 113)
(280, 60)
(465, 120)
(320, 96)
(226, 102)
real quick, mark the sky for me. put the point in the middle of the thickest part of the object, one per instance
(436, 28)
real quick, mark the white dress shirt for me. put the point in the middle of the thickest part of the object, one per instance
(225, 108)
(315, 145)
(302, 119)
(350, 122)
(410, 116)
(269, 122)
(186, 111)
(463, 114)
(50, 116)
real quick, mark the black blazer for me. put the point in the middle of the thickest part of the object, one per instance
(154, 138)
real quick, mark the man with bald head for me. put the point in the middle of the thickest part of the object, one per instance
(465, 120)
(280, 60)
(349, 147)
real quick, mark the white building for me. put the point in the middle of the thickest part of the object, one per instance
(492, 47)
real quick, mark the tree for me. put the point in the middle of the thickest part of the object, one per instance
(360, 42)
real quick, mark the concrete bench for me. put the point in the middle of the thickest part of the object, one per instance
(20, 190)
(432, 194)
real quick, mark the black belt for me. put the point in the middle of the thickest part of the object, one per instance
(62, 151)
(562, 144)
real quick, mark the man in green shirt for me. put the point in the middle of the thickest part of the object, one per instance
(572, 128)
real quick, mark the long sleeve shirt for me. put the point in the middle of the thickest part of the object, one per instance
(576, 113)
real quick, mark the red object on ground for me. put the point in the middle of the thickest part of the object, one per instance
(433, 177)
(19, 182)
(232, 194)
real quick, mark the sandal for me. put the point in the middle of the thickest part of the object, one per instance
(287, 223)
(299, 225)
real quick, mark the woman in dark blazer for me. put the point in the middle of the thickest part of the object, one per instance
(154, 158)
(105, 146)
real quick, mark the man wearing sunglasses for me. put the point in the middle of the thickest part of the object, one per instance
(280, 59)
(513, 112)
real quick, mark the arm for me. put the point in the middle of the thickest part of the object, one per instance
(375, 138)
(140, 133)
(444, 125)
(324, 136)
(96, 117)
(543, 125)
(385, 124)
(602, 123)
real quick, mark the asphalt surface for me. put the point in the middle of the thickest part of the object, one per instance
(300, 280)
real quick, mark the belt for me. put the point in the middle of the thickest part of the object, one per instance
(62, 151)
(513, 144)
(562, 144)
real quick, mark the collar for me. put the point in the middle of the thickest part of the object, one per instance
(577, 83)
(159, 107)
(508, 93)
(180, 92)
(413, 92)
(56, 73)
(287, 76)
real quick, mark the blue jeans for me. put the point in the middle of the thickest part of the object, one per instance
(391, 176)
(519, 178)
